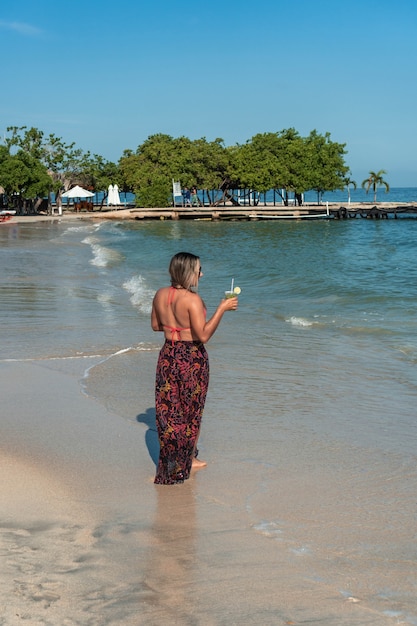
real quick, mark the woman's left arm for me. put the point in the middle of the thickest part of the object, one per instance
(202, 329)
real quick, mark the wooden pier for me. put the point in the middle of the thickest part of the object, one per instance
(329, 211)
(269, 212)
(375, 212)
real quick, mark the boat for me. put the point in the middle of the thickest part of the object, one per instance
(6, 215)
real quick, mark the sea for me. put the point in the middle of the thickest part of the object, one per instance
(313, 391)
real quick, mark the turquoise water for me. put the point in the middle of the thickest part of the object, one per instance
(321, 355)
(327, 303)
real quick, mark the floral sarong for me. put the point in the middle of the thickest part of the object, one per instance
(182, 378)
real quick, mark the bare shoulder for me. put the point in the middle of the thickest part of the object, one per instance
(194, 300)
(160, 299)
(161, 293)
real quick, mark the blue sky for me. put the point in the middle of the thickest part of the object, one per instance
(106, 75)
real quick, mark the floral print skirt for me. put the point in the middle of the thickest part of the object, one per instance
(182, 378)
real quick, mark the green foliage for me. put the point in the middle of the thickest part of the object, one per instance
(23, 174)
(327, 169)
(348, 184)
(286, 161)
(154, 194)
(283, 160)
(31, 155)
(375, 180)
(149, 172)
(161, 159)
(258, 164)
(97, 173)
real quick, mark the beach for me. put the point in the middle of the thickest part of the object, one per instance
(69, 478)
(306, 510)
(88, 539)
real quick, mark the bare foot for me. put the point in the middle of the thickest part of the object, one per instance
(197, 464)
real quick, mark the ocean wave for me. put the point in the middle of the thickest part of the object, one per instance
(141, 295)
(299, 321)
(408, 352)
(90, 240)
(102, 256)
(104, 353)
(80, 229)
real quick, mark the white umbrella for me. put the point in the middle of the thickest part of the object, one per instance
(116, 197)
(77, 192)
(110, 195)
(113, 195)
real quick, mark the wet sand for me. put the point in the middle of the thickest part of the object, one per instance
(87, 538)
(73, 477)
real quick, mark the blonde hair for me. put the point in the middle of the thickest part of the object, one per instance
(183, 269)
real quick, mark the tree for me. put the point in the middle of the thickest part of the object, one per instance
(283, 161)
(257, 164)
(62, 162)
(23, 174)
(66, 165)
(289, 163)
(375, 180)
(23, 177)
(272, 161)
(348, 183)
(149, 171)
(30, 141)
(206, 164)
(327, 168)
(296, 162)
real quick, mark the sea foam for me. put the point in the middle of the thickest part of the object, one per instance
(299, 321)
(102, 256)
(141, 295)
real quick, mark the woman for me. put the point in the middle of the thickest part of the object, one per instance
(194, 197)
(182, 373)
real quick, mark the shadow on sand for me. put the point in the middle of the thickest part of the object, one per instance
(151, 436)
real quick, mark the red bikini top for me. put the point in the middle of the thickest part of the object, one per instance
(174, 329)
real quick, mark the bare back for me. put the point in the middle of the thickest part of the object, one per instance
(171, 313)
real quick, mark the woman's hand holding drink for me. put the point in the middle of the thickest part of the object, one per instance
(232, 294)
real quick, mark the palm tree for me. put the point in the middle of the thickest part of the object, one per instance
(375, 180)
(348, 182)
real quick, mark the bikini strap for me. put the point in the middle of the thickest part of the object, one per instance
(171, 294)
(174, 330)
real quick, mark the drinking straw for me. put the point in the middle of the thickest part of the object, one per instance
(231, 288)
